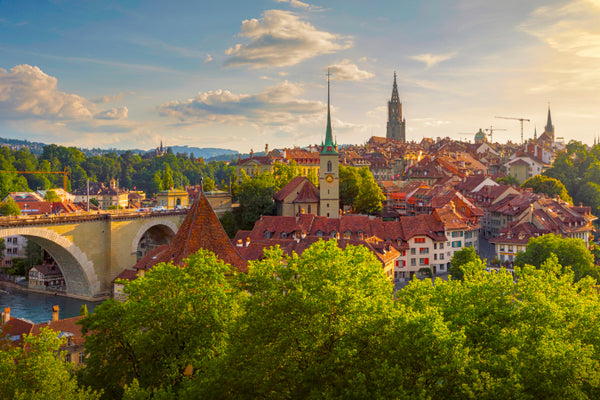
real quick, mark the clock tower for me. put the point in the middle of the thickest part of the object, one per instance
(329, 171)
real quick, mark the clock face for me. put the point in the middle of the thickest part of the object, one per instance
(329, 178)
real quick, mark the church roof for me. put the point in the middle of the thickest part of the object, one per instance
(200, 229)
(328, 146)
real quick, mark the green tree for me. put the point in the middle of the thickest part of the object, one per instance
(209, 184)
(83, 310)
(461, 258)
(167, 181)
(173, 318)
(284, 173)
(369, 199)
(548, 186)
(570, 252)
(229, 224)
(310, 329)
(51, 196)
(350, 180)
(35, 371)
(9, 207)
(508, 180)
(504, 339)
(255, 196)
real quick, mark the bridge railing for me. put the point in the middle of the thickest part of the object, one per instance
(53, 219)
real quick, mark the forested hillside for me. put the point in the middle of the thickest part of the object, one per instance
(134, 171)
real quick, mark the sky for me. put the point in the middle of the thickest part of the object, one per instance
(243, 74)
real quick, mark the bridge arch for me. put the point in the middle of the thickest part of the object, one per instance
(161, 227)
(79, 273)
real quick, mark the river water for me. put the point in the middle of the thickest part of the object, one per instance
(37, 307)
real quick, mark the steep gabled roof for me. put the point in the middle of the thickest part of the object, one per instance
(201, 229)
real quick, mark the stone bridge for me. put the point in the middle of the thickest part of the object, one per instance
(92, 249)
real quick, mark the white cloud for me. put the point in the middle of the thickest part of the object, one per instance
(112, 98)
(569, 28)
(431, 60)
(208, 59)
(346, 71)
(26, 92)
(300, 4)
(281, 38)
(113, 113)
(276, 106)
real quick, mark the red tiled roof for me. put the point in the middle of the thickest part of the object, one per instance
(63, 325)
(200, 229)
(308, 194)
(289, 188)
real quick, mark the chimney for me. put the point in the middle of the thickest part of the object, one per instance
(55, 313)
(251, 153)
(239, 243)
(267, 149)
(248, 241)
(6, 315)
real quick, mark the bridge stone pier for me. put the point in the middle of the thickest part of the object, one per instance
(91, 250)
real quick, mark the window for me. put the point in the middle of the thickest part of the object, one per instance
(347, 235)
(435, 246)
(82, 357)
(424, 261)
(413, 251)
(329, 166)
(413, 261)
(68, 357)
(419, 240)
(441, 256)
(435, 256)
(441, 246)
(457, 243)
(424, 250)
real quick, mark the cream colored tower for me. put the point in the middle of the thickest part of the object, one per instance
(329, 172)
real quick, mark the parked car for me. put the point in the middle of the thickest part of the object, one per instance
(158, 208)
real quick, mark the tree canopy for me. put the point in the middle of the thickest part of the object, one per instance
(549, 186)
(571, 252)
(36, 371)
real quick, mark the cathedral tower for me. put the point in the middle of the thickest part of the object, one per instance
(396, 126)
(329, 174)
(549, 129)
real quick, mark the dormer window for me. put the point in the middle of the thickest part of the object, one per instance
(283, 235)
(320, 233)
(268, 235)
(347, 235)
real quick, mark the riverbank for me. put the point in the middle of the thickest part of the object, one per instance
(17, 286)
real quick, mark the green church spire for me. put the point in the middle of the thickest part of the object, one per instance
(329, 147)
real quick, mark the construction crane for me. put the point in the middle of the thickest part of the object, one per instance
(491, 130)
(518, 119)
(64, 173)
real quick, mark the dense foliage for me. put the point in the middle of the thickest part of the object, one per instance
(36, 371)
(570, 252)
(578, 168)
(133, 170)
(359, 190)
(325, 325)
(549, 186)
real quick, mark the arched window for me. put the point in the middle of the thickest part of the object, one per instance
(328, 166)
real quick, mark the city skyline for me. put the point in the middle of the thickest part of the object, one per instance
(239, 75)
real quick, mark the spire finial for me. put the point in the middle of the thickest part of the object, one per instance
(328, 146)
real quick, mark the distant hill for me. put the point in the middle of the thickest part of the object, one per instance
(15, 144)
(205, 153)
(208, 154)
